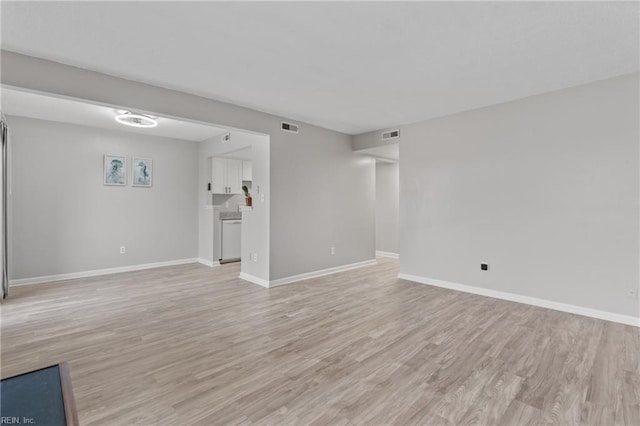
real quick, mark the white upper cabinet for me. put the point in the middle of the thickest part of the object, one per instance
(234, 176)
(226, 176)
(218, 175)
(247, 170)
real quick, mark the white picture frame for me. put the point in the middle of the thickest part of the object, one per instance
(114, 170)
(142, 172)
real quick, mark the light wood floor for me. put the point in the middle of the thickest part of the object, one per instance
(192, 345)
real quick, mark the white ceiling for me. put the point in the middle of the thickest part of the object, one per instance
(349, 66)
(33, 105)
(241, 154)
(389, 152)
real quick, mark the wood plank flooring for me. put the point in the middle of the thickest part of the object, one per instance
(189, 344)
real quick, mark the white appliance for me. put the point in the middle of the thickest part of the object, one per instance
(231, 234)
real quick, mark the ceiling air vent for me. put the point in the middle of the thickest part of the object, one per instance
(288, 127)
(226, 137)
(391, 134)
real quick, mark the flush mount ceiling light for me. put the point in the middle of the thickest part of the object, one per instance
(136, 120)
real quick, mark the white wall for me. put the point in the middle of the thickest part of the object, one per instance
(544, 189)
(65, 220)
(325, 198)
(334, 189)
(387, 207)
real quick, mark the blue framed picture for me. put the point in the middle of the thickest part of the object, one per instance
(142, 172)
(115, 170)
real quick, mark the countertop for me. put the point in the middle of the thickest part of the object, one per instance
(233, 215)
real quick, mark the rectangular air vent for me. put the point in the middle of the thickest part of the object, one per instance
(288, 127)
(226, 137)
(391, 134)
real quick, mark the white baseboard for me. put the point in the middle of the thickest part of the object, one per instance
(253, 279)
(387, 254)
(527, 300)
(208, 262)
(306, 276)
(97, 272)
(320, 273)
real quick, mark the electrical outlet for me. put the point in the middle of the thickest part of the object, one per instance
(255, 257)
(333, 251)
(632, 293)
(123, 250)
(262, 198)
(484, 266)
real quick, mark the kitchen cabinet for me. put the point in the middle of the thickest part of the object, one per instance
(218, 175)
(226, 176)
(234, 176)
(247, 170)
